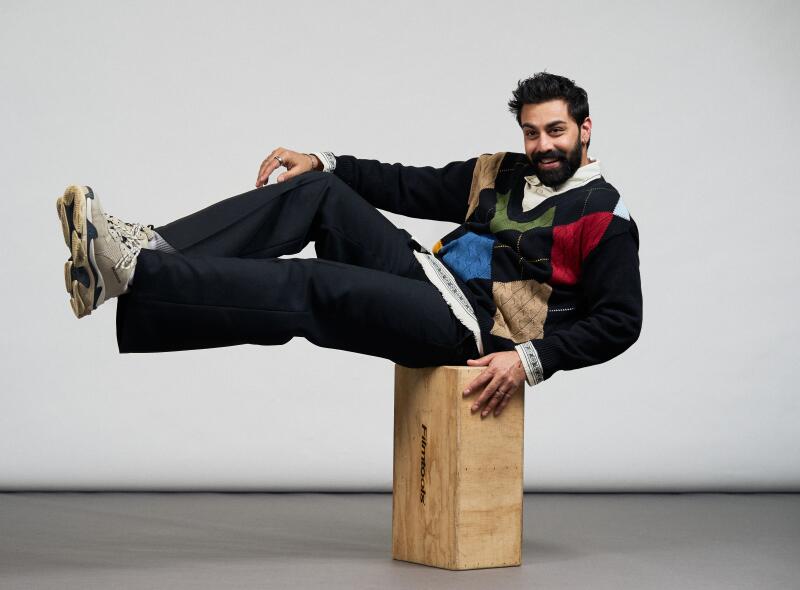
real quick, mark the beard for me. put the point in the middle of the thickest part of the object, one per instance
(568, 164)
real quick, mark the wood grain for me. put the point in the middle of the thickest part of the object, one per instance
(457, 493)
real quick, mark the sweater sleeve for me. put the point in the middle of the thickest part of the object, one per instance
(424, 192)
(613, 299)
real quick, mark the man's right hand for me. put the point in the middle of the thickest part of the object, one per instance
(295, 162)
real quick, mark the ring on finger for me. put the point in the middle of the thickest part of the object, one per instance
(279, 159)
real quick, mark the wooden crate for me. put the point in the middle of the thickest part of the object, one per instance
(457, 493)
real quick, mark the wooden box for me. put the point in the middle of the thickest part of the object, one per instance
(457, 493)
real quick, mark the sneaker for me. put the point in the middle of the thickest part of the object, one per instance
(103, 249)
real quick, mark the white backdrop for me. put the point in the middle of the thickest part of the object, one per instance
(165, 108)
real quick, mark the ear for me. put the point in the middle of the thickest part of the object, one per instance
(586, 130)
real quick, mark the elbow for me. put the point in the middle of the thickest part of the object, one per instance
(624, 332)
(631, 331)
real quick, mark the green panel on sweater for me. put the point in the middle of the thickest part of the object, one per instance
(501, 221)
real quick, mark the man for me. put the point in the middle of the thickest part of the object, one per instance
(541, 275)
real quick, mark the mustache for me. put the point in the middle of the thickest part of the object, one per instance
(558, 154)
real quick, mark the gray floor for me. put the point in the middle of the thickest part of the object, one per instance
(207, 540)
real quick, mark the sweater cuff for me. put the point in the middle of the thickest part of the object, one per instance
(328, 160)
(530, 362)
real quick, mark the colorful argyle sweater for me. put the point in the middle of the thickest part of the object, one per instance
(559, 282)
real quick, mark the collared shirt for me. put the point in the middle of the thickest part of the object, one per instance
(536, 192)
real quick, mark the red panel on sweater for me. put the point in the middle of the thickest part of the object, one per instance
(572, 243)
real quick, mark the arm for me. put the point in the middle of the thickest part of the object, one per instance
(423, 192)
(612, 289)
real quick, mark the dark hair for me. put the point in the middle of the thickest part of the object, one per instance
(542, 87)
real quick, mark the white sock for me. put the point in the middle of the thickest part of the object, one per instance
(160, 244)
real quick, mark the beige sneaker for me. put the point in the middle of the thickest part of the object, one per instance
(103, 249)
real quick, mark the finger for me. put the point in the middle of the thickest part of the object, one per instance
(487, 393)
(273, 164)
(498, 402)
(262, 175)
(268, 166)
(484, 360)
(475, 384)
(496, 398)
(478, 382)
(294, 166)
(506, 398)
(263, 167)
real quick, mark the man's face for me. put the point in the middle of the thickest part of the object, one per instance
(554, 143)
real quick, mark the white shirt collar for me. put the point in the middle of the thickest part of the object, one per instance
(582, 175)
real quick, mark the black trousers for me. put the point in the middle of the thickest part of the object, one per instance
(365, 292)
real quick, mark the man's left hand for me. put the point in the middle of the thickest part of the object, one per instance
(497, 383)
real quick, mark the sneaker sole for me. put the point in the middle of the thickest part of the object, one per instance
(81, 277)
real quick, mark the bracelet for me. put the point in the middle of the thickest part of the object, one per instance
(313, 165)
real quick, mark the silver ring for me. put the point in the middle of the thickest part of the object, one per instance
(279, 159)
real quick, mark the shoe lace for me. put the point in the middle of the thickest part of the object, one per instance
(131, 238)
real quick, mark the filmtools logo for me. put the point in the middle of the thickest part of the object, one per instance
(422, 464)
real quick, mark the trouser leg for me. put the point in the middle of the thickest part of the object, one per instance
(226, 288)
(280, 219)
(190, 302)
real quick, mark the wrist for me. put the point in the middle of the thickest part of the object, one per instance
(530, 363)
(315, 163)
(326, 161)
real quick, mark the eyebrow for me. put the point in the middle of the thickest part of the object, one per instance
(551, 124)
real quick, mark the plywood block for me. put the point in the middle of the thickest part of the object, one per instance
(457, 493)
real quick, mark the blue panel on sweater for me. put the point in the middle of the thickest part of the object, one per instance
(469, 256)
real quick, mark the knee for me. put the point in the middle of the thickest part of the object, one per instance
(331, 187)
(308, 177)
(315, 187)
(307, 185)
(318, 176)
(327, 178)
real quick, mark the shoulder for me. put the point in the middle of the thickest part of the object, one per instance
(496, 169)
(501, 161)
(595, 196)
(599, 204)
(599, 196)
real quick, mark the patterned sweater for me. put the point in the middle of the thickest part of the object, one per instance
(555, 278)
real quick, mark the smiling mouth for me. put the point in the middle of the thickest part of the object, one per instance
(549, 163)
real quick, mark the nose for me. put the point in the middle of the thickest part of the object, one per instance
(545, 144)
